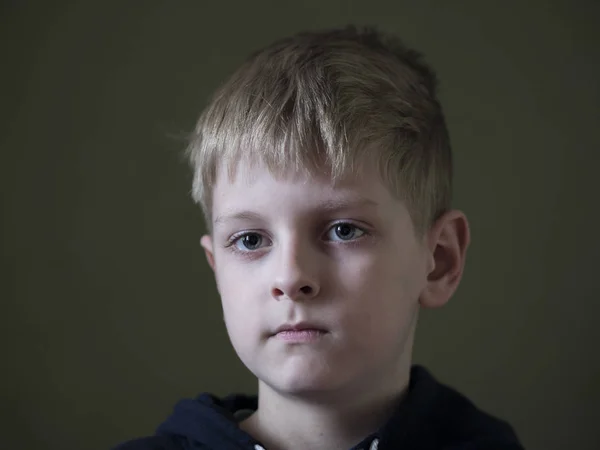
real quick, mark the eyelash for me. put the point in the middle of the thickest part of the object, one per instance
(236, 237)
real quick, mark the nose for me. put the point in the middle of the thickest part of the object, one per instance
(296, 274)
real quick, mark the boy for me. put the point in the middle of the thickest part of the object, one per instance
(323, 167)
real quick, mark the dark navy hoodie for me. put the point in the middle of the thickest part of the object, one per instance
(431, 416)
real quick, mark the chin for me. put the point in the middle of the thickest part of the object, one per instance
(303, 380)
(304, 388)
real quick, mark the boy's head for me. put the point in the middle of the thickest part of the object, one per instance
(328, 102)
(324, 169)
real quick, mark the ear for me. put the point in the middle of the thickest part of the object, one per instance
(207, 244)
(447, 243)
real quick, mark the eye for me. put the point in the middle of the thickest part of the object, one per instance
(344, 232)
(248, 242)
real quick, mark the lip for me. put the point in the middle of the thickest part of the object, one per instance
(300, 326)
(299, 333)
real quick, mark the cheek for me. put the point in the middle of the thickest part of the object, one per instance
(382, 293)
(237, 311)
(377, 277)
(241, 328)
(242, 313)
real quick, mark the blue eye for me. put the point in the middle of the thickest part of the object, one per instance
(250, 241)
(345, 232)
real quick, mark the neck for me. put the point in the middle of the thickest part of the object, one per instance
(336, 421)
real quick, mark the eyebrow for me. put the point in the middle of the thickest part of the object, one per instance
(336, 205)
(240, 216)
(328, 206)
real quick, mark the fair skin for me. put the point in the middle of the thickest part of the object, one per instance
(345, 260)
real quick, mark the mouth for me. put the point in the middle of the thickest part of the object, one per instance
(300, 326)
(302, 332)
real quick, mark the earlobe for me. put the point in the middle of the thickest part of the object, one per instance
(207, 245)
(449, 239)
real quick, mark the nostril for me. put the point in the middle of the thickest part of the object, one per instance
(306, 290)
(296, 293)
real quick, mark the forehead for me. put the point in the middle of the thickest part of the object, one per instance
(255, 190)
(258, 177)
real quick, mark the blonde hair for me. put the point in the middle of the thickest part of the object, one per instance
(331, 100)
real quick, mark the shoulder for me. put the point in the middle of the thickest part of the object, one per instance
(464, 422)
(152, 443)
(459, 423)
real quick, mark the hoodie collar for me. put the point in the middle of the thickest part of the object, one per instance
(428, 415)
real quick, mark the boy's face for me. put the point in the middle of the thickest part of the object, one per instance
(344, 261)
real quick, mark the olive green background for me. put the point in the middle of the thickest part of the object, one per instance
(108, 310)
